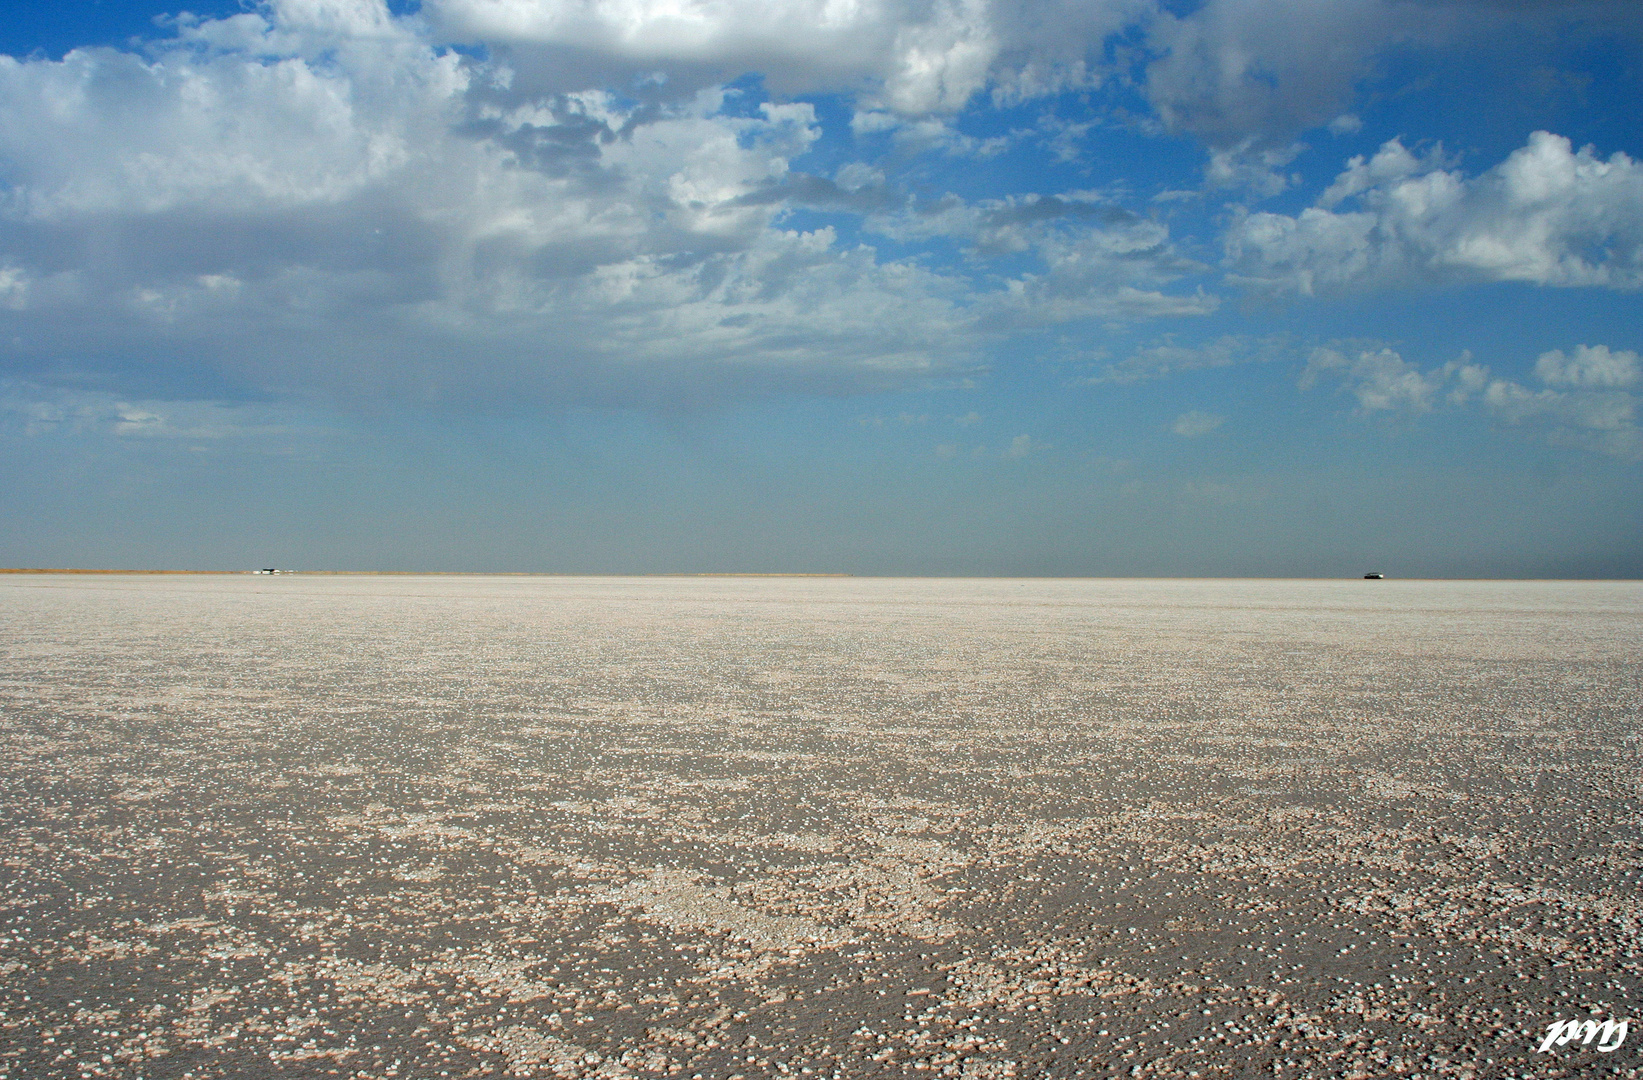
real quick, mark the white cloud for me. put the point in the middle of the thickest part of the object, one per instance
(1099, 259)
(1021, 446)
(1581, 400)
(926, 58)
(313, 199)
(1592, 367)
(1190, 425)
(1255, 168)
(1165, 358)
(1392, 163)
(14, 288)
(40, 411)
(925, 134)
(1230, 69)
(1383, 381)
(908, 57)
(1605, 422)
(1114, 271)
(1547, 215)
(1380, 379)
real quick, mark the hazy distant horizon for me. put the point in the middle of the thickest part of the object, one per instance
(281, 571)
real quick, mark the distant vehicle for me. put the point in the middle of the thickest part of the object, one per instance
(1373, 577)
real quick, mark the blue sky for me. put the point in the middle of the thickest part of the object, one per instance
(905, 287)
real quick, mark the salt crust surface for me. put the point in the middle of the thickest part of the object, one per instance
(445, 826)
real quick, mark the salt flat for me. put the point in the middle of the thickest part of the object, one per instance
(476, 826)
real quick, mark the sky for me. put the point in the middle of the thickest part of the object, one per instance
(969, 287)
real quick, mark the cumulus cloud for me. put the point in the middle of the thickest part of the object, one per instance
(1255, 168)
(925, 60)
(1583, 397)
(926, 134)
(1098, 259)
(1164, 358)
(1190, 425)
(1547, 215)
(308, 199)
(315, 199)
(1591, 367)
(1021, 446)
(42, 411)
(1383, 381)
(905, 57)
(1225, 70)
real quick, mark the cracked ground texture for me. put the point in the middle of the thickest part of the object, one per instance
(357, 826)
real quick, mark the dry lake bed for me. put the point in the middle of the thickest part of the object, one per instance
(312, 826)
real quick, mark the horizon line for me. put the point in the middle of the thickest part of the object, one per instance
(93, 571)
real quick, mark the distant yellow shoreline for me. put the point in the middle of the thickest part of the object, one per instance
(78, 570)
(398, 573)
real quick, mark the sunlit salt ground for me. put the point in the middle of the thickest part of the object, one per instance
(430, 827)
